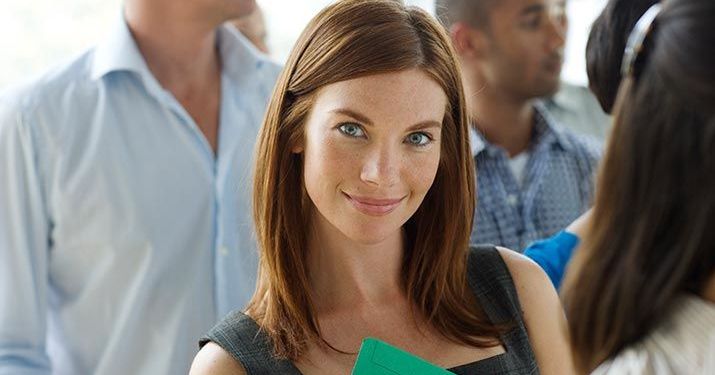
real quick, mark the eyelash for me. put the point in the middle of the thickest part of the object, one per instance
(341, 129)
(427, 136)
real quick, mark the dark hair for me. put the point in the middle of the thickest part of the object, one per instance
(606, 42)
(472, 12)
(351, 39)
(651, 235)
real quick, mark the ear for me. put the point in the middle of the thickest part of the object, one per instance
(468, 41)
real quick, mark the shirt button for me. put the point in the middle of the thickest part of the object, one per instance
(223, 250)
(512, 199)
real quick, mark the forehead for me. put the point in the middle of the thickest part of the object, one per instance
(518, 8)
(404, 97)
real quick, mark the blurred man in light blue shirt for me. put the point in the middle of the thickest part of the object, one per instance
(125, 220)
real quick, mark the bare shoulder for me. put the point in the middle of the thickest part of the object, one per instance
(543, 315)
(537, 296)
(527, 275)
(214, 360)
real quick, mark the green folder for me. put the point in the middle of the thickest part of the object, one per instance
(379, 358)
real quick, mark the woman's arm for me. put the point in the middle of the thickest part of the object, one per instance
(543, 315)
(578, 227)
(213, 360)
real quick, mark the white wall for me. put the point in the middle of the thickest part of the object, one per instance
(36, 34)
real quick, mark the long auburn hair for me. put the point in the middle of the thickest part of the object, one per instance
(351, 39)
(651, 237)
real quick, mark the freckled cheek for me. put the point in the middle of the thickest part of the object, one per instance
(328, 162)
(419, 171)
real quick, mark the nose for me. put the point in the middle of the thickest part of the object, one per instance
(557, 28)
(381, 166)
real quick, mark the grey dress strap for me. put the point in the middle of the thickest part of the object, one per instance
(241, 337)
(489, 280)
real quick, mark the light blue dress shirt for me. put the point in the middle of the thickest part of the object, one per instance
(123, 238)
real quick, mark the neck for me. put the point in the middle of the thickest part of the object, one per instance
(503, 120)
(348, 274)
(177, 42)
(709, 291)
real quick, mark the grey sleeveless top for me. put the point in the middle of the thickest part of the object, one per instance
(488, 278)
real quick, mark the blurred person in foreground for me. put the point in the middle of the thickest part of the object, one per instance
(125, 228)
(364, 200)
(640, 294)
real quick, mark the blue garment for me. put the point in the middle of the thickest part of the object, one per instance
(553, 254)
(123, 238)
(558, 185)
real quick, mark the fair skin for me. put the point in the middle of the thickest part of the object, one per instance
(178, 41)
(580, 225)
(508, 63)
(253, 27)
(371, 153)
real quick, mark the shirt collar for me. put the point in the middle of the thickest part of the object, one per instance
(545, 132)
(546, 129)
(119, 52)
(476, 141)
(562, 99)
(240, 59)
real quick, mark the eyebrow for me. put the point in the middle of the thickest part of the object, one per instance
(531, 9)
(353, 114)
(364, 119)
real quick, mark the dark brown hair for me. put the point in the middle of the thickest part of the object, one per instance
(606, 43)
(350, 39)
(651, 237)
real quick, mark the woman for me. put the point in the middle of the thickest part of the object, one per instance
(363, 201)
(640, 295)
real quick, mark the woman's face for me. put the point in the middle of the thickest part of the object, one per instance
(371, 152)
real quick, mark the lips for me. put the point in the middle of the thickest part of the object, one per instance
(374, 206)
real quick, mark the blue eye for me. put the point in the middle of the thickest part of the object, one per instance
(351, 130)
(418, 139)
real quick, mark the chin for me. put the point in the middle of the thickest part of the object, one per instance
(547, 89)
(239, 8)
(370, 233)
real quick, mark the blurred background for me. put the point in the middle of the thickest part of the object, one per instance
(37, 34)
